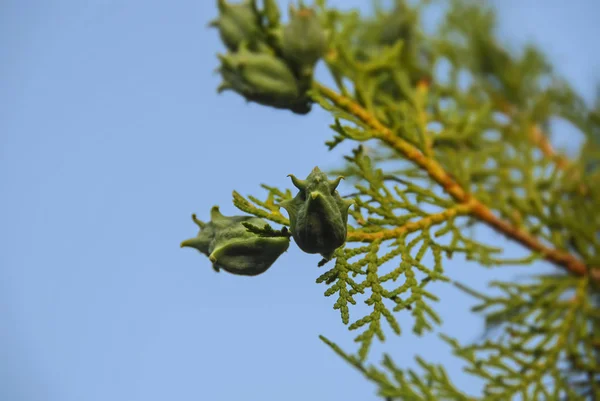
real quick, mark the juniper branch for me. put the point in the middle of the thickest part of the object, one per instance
(540, 140)
(412, 226)
(436, 172)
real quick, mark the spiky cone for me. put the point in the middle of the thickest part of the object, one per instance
(303, 39)
(238, 23)
(262, 78)
(231, 247)
(318, 215)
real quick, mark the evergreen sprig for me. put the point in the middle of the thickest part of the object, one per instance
(406, 384)
(454, 131)
(544, 325)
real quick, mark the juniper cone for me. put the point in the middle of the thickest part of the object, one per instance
(259, 77)
(303, 41)
(318, 215)
(232, 247)
(237, 23)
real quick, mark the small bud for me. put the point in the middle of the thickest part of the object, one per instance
(318, 215)
(237, 23)
(303, 39)
(231, 247)
(259, 77)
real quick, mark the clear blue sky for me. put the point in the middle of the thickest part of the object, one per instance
(111, 135)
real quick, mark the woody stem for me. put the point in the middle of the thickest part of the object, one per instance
(437, 173)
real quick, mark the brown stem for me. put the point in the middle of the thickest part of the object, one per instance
(412, 226)
(537, 137)
(439, 175)
(540, 140)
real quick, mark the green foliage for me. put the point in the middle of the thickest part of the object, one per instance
(459, 130)
(542, 323)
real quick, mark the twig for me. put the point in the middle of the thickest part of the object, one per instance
(444, 179)
(412, 226)
(540, 140)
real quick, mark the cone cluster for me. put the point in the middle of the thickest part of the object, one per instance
(266, 62)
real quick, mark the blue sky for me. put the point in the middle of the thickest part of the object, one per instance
(112, 134)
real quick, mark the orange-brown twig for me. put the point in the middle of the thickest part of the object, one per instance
(437, 173)
(412, 226)
(540, 140)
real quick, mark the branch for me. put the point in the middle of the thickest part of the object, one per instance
(412, 226)
(437, 173)
(540, 140)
